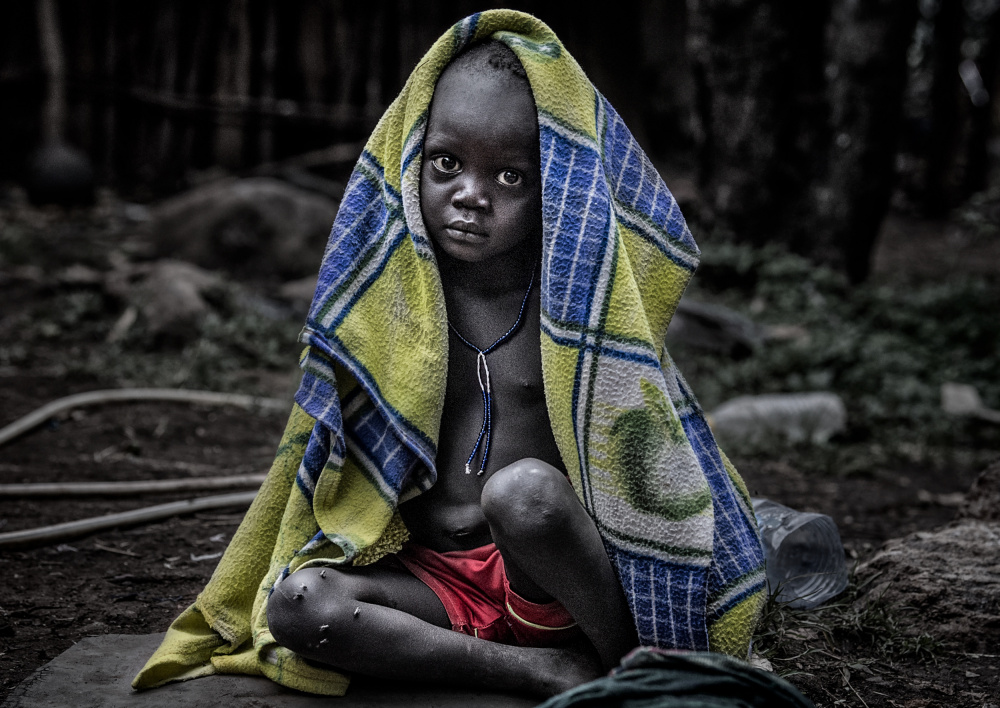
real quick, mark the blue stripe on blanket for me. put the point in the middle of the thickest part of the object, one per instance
(326, 319)
(737, 558)
(642, 200)
(667, 600)
(313, 460)
(383, 456)
(575, 214)
(361, 212)
(417, 440)
(369, 165)
(317, 395)
(465, 30)
(605, 350)
(637, 183)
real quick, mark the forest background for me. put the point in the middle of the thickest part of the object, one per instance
(837, 161)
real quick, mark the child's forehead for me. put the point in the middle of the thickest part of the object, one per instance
(489, 100)
(474, 79)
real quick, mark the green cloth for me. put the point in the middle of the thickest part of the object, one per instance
(649, 678)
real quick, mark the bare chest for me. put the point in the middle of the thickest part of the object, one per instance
(515, 421)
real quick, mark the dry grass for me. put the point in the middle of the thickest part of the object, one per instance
(848, 634)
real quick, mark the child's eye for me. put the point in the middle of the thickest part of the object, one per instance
(446, 163)
(509, 178)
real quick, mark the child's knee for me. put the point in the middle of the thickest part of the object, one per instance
(528, 498)
(304, 610)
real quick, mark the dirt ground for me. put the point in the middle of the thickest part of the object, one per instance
(136, 580)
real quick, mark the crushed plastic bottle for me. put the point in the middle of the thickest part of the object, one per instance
(803, 552)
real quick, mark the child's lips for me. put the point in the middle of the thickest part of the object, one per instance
(465, 231)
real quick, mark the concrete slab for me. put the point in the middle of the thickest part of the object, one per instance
(96, 673)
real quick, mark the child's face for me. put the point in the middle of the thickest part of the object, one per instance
(480, 182)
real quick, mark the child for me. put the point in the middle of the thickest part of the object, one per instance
(480, 197)
(559, 503)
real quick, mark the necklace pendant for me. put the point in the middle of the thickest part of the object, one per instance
(483, 377)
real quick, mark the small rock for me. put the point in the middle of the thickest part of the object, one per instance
(753, 421)
(60, 174)
(947, 581)
(257, 225)
(79, 274)
(172, 298)
(299, 293)
(94, 628)
(983, 499)
(714, 328)
(963, 400)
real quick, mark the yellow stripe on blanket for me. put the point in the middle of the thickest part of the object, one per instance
(394, 349)
(661, 282)
(561, 374)
(621, 321)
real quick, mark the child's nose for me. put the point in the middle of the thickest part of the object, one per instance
(471, 193)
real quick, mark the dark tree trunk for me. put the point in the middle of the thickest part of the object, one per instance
(868, 63)
(165, 56)
(193, 79)
(666, 74)
(109, 117)
(981, 121)
(758, 68)
(268, 60)
(233, 85)
(617, 74)
(50, 40)
(312, 51)
(941, 183)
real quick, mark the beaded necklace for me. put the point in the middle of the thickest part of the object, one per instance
(483, 374)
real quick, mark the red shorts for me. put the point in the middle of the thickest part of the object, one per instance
(472, 585)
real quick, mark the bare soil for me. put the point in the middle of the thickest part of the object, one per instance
(136, 580)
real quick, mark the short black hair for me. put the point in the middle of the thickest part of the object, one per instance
(490, 56)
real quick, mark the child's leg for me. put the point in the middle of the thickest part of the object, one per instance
(384, 622)
(551, 549)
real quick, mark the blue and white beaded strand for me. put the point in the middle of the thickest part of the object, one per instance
(483, 375)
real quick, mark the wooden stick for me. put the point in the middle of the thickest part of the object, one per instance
(72, 529)
(93, 398)
(76, 489)
(109, 549)
(338, 154)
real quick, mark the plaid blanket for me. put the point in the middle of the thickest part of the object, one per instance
(674, 515)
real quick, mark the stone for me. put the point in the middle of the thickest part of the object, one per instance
(750, 422)
(983, 500)
(714, 328)
(946, 583)
(98, 671)
(255, 226)
(299, 293)
(58, 173)
(964, 400)
(172, 296)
